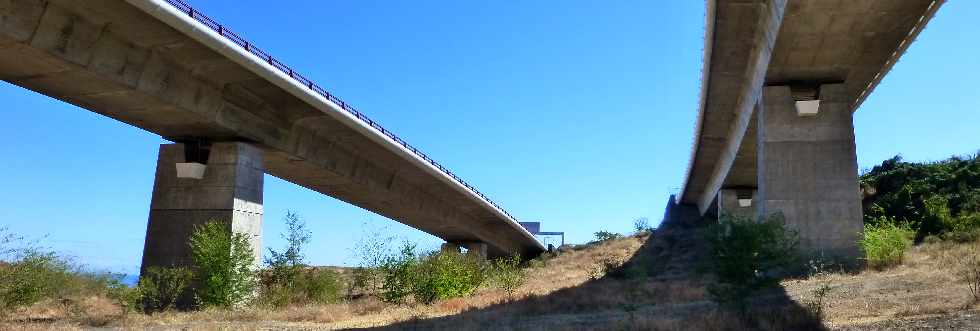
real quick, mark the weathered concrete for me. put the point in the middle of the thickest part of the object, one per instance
(808, 170)
(850, 42)
(231, 191)
(158, 71)
(728, 203)
(477, 250)
(769, 20)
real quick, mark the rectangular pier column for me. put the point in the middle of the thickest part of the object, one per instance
(477, 250)
(231, 191)
(808, 169)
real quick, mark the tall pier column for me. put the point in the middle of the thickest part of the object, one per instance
(808, 168)
(230, 191)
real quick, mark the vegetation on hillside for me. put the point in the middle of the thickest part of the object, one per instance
(932, 198)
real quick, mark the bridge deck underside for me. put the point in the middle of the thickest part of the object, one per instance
(849, 42)
(111, 58)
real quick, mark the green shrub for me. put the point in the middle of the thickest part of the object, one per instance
(603, 236)
(428, 277)
(397, 272)
(884, 244)
(963, 236)
(33, 276)
(746, 255)
(445, 275)
(224, 262)
(159, 289)
(963, 228)
(506, 274)
(323, 286)
(29, 274)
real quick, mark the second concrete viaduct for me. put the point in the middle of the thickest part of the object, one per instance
(781, 80)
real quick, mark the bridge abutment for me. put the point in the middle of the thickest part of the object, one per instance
(230, 190)
(807, 170)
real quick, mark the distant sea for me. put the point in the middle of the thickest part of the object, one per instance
(130, 280)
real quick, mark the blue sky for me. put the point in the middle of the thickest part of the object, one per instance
(578, 115)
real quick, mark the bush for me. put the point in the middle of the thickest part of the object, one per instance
(323, 286)
(602, 236)
(224, 262)
(159, 289)
(427, 277)
(746, 255)
(29, 274)
(309, 286)
(444, 275)
(33, 276)
(397, 274)
(884, 244)
(506, 274)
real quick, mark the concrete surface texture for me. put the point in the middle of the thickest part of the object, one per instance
(120, 60)
(231, 192)
(808, 170)
(841, 49)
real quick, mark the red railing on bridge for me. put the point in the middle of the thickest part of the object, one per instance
(245, 44)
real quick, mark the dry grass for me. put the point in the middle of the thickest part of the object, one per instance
(560, 294)
(924, 285)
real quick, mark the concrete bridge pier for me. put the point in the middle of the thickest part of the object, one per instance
(807, 169)
(474, 249)
(230, 190)
(739, 202)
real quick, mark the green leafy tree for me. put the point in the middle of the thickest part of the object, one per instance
(286, 266)
(224, 262)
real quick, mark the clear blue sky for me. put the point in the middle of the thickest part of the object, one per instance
(578, 114)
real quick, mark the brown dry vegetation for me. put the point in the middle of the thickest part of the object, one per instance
(656, 288)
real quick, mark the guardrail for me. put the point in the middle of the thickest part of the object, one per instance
(249, 47)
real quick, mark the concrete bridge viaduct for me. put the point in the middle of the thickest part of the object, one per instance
(781, 80)
(164, 67)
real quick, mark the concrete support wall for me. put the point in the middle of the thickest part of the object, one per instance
(231, 190)
(728, 203)
(477, 250)
(808, 170)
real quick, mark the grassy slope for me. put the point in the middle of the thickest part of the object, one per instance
(562, 294)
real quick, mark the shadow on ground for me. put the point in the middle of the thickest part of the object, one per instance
(658, 288)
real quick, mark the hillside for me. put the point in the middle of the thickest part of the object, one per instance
(643, 282)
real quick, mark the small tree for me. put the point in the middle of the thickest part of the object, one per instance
(642, 225)
(602, 236)
(286, 266)
(506, 274)
(224, 263)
